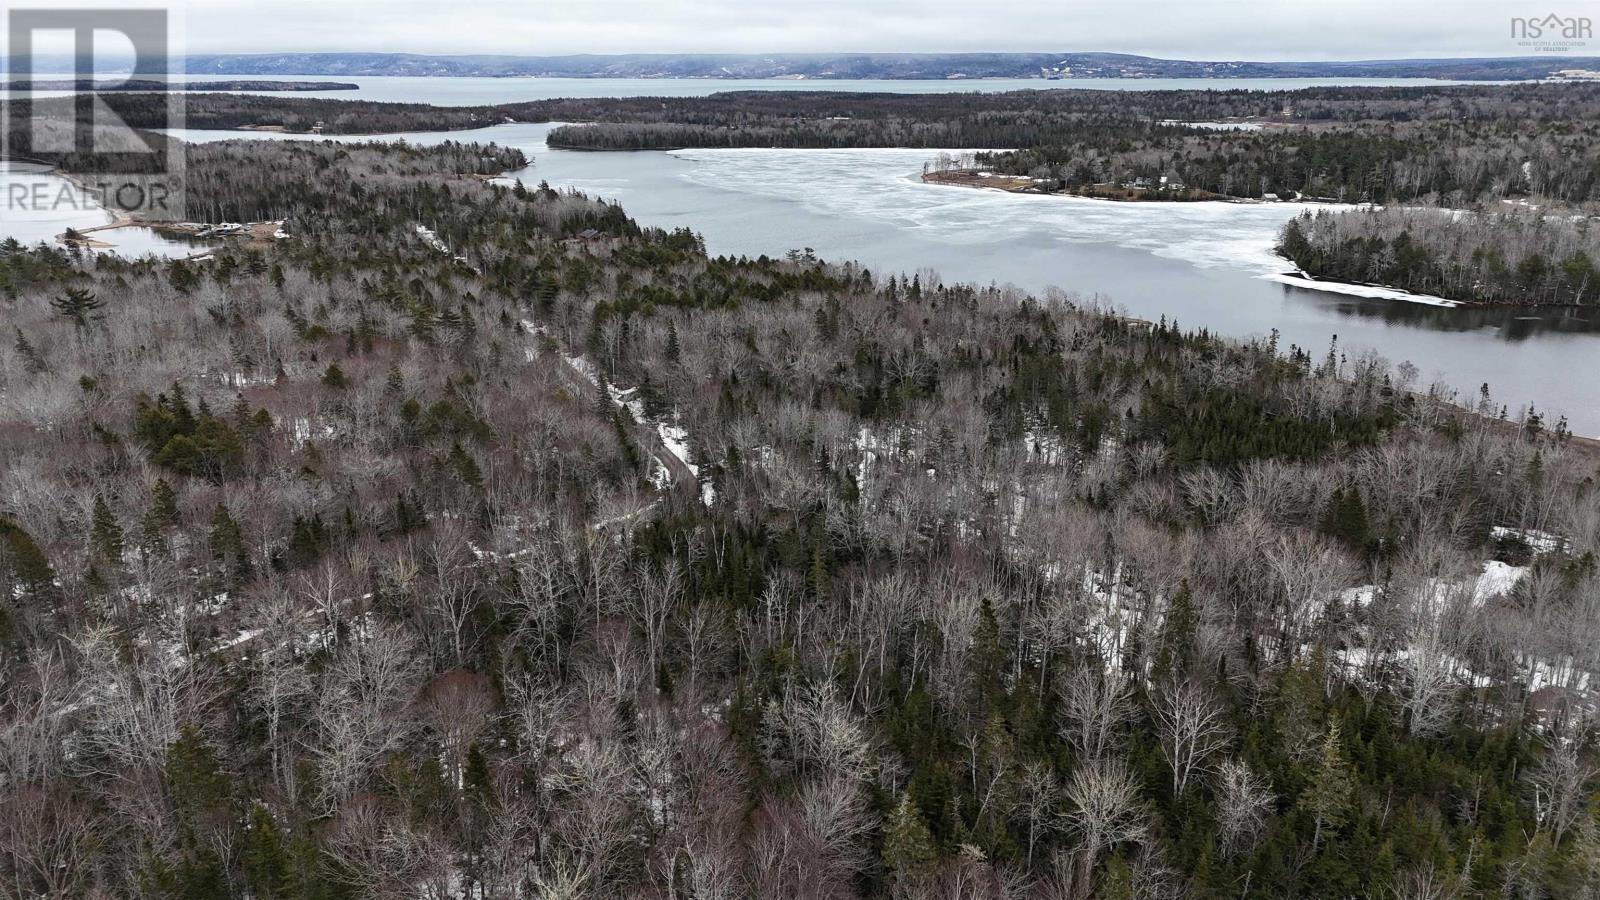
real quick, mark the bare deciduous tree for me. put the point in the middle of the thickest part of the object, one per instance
(458, 705)
(1040, 799)
(1559, 784)
(1095, 706)
(655, 596)
(1425, 883)
(46, 841)
(385, 854)
(1310, 572)
(1104, 810)
(1192, 727)
(362, 712)
(1244, 801)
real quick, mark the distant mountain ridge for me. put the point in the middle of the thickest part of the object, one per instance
(870, 66)
(148, 84)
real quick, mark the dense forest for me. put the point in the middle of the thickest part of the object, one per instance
(1516, 257)
(472, 541)
(1451, 164)
(970, 111)
(1031, 117)
(150, 110)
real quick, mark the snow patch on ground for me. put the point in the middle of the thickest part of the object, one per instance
(244, 379)
(302, 430)
(1113, 617)
(584, 368)
(432, 239)
(1498, 579)
(1541, 542)
(1044, 447)
(676, 440)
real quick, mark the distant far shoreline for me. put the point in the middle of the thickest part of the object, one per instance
(150, 84)
(1065, 66)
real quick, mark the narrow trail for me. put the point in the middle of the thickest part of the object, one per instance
(582, 378)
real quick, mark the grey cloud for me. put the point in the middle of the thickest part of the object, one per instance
(1195, 29)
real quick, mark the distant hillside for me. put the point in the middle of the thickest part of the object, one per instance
(869, 65)
(148, 84)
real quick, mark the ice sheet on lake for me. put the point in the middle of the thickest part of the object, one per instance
(884, 185)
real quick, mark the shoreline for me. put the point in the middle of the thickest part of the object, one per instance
(253, 233)
(245, 131)
(1301, 279)
(1295, 277)
(983, 179)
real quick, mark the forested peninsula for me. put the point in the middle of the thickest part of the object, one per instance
(1513, 257)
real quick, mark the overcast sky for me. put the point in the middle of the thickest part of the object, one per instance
(1192, 29)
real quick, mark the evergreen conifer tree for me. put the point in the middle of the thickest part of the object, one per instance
(908, 846)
